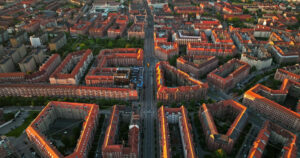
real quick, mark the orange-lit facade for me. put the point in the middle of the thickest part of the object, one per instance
(99, 28)
(33, 90)
(33, 26)
(213, 138)
(289, 72)
(107, 62)
(193, 89)
(228, 75)
(185, 37)
(211, 49)
(220, 36)
(180, 116)
(136, 31)
(165, 50)
(116, 30)
(265, 101)
(241, 17)
(285, 53)
(54, 110)
(72, 68)
(197, 65)
(112, 150)
(266, 134)
(80, 28)
(188, 10)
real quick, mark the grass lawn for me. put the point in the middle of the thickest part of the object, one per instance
(18, 131)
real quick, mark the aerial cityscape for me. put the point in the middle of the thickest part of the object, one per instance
(149, 78)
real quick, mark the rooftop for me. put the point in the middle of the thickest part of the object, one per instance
(35, 128)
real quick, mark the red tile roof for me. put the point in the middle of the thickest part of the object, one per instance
(164, 132)
(109, 146)
(84, 54)
(286, 84)
(87, 128)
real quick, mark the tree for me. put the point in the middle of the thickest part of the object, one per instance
(246, 11)
(253, 68)
(219, 154)
(159, 104)
(110, 44)
(172, 60)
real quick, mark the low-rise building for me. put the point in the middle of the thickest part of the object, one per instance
(273, 103)
(140, 19)
(54, 110)
(244, 38)
(258, 57)
(28, 64)
(39, 39)
(228, 75)
(46, 68)
(197, 65)
(109, 147)
(136, 31)
(110, 66)
(99, 28)
(285, 54)
(186, 88)
(219, 36)
(289, 72)
(185, 11)
(59, 40)
(74, 91)
(17, 54)
(243, 17)
(165, 50)
(183, 37)
(80, 28)
(39, 55)
(72, 68)
(116, 30)
(32, 26)
(211, 49)
(180, 117)
(102, 5)
(19, 38)
(262, 31)
(6, 65)
(209, 114)
(271, 132)
(161, 35)
(3, 36)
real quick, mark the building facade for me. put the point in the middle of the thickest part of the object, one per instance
(228, 75)
(211, 49)
(165, 50)
(189, 88)
(289, 72)
(175, 116)
(272, 132)
(214, 139)
(72, 68)
(87, 112)
(268, 102)
(197, 65)
(112, 150)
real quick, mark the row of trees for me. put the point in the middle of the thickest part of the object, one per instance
(96, 44)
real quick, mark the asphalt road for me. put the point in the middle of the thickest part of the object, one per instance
(149, 106)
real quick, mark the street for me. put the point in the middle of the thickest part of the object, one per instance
(148, 110)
